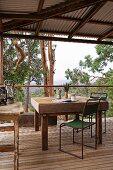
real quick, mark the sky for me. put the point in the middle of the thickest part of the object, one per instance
(68, 55)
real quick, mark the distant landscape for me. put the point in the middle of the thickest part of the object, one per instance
(34, 89)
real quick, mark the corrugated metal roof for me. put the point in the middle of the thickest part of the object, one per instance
(57, 25)
(94, 29)
(105, 13)
(49, 3)
(19, 6)
(63, 17)
(78, 13)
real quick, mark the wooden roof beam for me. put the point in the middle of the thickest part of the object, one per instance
(14, 24)
(1, 27)
(39, 24)
(106, 35)
(11, 25)
(87, 17)
(18, 23)
(56, 39)
(59, 33)
(91, 21)
(50, 12)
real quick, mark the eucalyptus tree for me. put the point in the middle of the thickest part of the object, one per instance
(21, 62)
(78, 77)
(101, 64)
(96, 71)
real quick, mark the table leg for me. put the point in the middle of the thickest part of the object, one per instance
(16, 145)
(77, 116)
(36, 121)
(99, 127)
(44, 131)
(66, 117)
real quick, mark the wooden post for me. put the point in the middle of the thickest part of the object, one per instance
(44, 131)
(1, 60)
(99, 127)
(16, 145)
(36, 121)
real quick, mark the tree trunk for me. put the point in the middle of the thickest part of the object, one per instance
(51, 56)
(26, 106)
(19, 50)
(20, 57)
(45, 66)
(29, 78)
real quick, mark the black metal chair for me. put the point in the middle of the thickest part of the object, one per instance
(101, 96)
(90, 108)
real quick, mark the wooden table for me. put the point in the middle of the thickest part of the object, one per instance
(11, 112)
(44, 107)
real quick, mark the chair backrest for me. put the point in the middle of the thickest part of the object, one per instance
(102, 96)
(91, 107)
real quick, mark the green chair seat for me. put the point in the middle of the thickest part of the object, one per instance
(77, 124)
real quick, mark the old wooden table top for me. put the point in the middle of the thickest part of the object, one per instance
(50, 105)
(11, 110)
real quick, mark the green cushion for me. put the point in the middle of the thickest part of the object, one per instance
(78, 124)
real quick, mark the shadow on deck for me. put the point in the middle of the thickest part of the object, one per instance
(33, 158)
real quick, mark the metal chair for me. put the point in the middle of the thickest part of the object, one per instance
(101, 96)
(90, 108)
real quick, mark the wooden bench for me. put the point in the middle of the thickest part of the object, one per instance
(11, 112)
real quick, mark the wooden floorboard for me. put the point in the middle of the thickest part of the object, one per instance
(33, 158)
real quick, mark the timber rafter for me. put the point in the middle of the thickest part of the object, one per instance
(66, 17)
(89, 15)
(91, 21)
(106, 35)
(57, 39)
(38, 26)
(1, 27)
(50, 12)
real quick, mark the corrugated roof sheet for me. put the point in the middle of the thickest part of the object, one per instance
(105, 13)
(49, 3)
(94, 29)
(78, 13)
(19, 6)
(59, 23)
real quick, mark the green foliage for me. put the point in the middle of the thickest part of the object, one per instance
(105, 56)
(87, 63)
(26, 69)
(77, 76)
(93, 66)
(66, 87)
(19, 95)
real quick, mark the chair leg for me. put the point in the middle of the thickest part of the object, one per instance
(82, 143)
(89, 121)
(96, 133)
(91, 128)
(66, 117)
(60, 139)
(105, 121)
(77, 118)
(73, 135)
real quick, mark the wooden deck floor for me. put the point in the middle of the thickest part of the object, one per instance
(33, 158)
